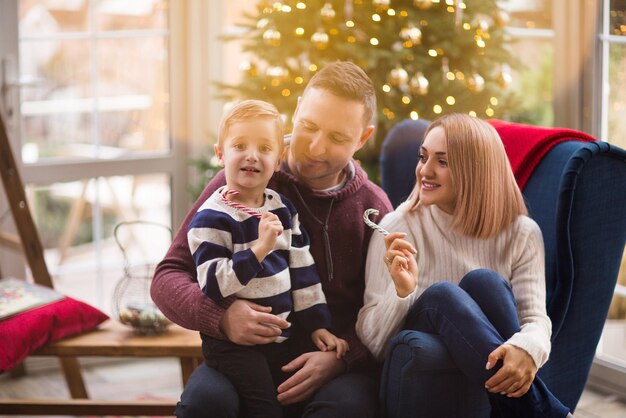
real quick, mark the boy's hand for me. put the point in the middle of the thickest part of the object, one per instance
(401, 262)
(270, 229)
(327, 341)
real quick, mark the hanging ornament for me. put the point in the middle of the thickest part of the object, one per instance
(505, 78)
(423, 4)
(418, 85)
(320, 39)
(348, 9)
(327, 12)
(475, 83)
(262, 23)
(248, 68)
(458, 13)
(271, 37)
(276, 72)
(411, 34)
(381, 5)
(445, 69)
(501, 18)
(483, 25)
(398, 77)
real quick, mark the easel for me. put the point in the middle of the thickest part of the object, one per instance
(111, 339)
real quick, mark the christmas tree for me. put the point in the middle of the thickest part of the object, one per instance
(425, 57)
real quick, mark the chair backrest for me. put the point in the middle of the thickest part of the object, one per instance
(577, 195)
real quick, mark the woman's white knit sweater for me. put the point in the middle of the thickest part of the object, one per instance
(444, 255)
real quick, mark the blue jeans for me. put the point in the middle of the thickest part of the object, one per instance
(473, 319)
(209, 394)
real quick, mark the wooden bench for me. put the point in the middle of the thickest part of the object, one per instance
(111, 339)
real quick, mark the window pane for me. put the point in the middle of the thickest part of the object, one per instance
(616, 109)
(530, 14)
(76, 220)
(135, 117)
(135, 14)
(57, 111)
(95, 96)
(533, 82)
(617, 18)
(39, 17)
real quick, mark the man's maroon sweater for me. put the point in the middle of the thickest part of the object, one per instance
(339, 241)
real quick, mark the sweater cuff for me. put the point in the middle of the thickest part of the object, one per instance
(357, 355)
(539, 356)
(211, 314)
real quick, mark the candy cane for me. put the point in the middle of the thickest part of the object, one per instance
(236, 205)
(372, 224)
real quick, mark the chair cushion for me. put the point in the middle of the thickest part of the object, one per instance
(27, 331)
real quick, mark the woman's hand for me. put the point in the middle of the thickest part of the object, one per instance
(400, 260)
(516, 374)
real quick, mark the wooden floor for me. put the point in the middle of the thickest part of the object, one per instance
(160, 379)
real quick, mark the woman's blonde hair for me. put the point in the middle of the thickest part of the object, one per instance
(250, 109)
(488, 197)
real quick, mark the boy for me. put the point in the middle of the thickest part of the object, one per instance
(259, 254)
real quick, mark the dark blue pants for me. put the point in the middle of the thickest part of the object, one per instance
(209, 394)
(473, 319)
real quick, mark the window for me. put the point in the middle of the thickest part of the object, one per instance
(88, 97)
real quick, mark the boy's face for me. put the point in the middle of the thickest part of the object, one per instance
(250, 154)
(327, 131)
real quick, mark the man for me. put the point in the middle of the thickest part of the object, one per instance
(330, 191)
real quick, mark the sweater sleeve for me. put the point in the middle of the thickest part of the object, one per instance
(529, 288)
(174, 287)
(383, 311)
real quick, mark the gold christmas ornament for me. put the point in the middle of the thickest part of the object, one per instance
(412, 34)
(262, 23)
(327, 12)
(398, 77)
(505, 78)
(248, 68)
(423, 4)
(418, 85)
(381, 5)
(276, 72)
(272, 37)
(501, 18)
(475, 83)
(320, 39)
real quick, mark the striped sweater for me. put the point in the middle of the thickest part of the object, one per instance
(220, 239)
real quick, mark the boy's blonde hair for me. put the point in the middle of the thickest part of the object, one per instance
(347, 80)
(250, 109)
(488, 197)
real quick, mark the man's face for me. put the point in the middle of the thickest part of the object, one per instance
(327, 131)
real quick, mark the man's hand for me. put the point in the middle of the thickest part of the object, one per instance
(516, 374)
(246, 323)
(316, 369)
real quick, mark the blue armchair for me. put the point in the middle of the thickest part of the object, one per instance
(577, 195)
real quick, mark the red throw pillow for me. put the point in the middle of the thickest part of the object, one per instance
(25, 332)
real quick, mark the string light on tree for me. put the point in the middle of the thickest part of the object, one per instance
(421, 54)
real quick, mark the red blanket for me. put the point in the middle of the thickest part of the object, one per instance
(526, 145)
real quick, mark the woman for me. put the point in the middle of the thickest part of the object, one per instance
(468, 266)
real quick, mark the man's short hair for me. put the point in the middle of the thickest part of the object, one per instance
(347, 80)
